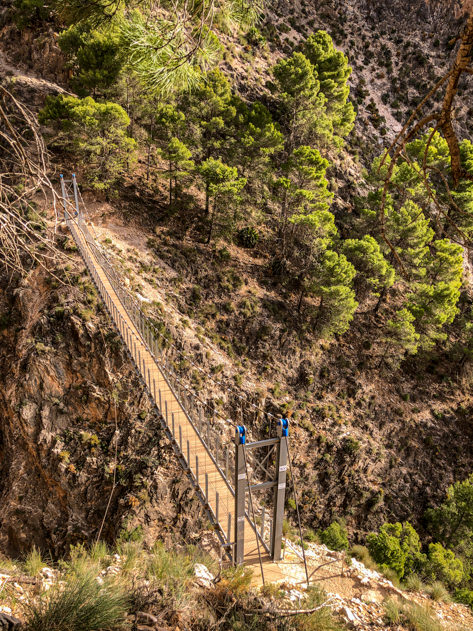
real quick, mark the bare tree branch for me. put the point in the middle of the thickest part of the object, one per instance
(443, 122)
(24, 237)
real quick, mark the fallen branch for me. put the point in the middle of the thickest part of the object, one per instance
(286, 613)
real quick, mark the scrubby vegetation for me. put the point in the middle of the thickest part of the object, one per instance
(98, 588)
(396, 549)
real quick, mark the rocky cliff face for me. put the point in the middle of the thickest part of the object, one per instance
(69, 405)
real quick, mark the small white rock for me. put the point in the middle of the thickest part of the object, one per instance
(204, 577)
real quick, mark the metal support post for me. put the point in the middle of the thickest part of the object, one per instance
(64, 195)
(76, 197)
(280, 490)
(241, 484)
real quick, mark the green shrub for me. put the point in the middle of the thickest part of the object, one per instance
(392, 611)
(411, 616)
(397, 546)
(414, 583)
(443, 565)
(255, 37)
(464, 596)
(237, 580)
(361, 553)
(173, 571)
(418, 618)
(391, 575)
(95, 132)
(321, 620)
(335, 536)
(29, 12)
(248, 237)
(80, 604)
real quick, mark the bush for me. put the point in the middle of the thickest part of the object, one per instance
(95, 132)
(95, 56)
(335, 536)
(321, 620)
(236, 580)
(464, 596)
(392, 611)
(443, 565)
(173, 571)
(418, 618)
(80, 604)
(255, 37)
(34, 562)
(397, 546)
(414, 583)
(248, 237)
(410, 615)
(28, 12)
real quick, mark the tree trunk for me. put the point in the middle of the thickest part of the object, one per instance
(150, 142)
(301, 297)
(382, 296)
(283, 228)
(170, 182)
(206, 199)
(319, 311)
(461, 64)
(212, 220)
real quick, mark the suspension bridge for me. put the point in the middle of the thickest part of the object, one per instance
(225, 468)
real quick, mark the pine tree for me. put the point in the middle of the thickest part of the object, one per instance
(303, 190)
(210, 111)
(434, 301)
(298, 91)
(95, 132)
(180, 165)
(257, 138)
(95, 56)
(410, 233)
(373, 272)
(170, 121)
(400, 337)
(332, 69)
(331, 281)
(452, 522)
(27, 12)
(222, 188)
(460, 213)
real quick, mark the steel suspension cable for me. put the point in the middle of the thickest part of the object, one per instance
(297, 510)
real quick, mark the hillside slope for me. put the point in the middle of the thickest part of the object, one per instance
(372, 442)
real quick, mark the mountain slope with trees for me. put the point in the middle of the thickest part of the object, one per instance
(238, 173)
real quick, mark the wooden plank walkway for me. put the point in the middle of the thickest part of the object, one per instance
(196, 458)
